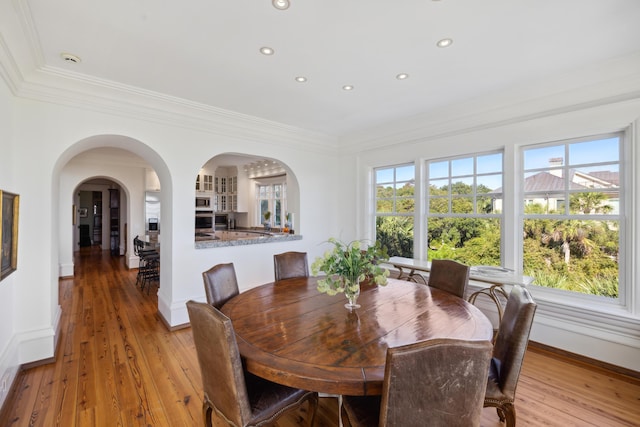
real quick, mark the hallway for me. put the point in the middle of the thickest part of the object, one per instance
(116, 361)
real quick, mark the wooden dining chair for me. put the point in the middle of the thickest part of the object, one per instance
(438, 382)
(508, 354)
(450, 276)
(288, 265)
(235, 395)
(220, 284)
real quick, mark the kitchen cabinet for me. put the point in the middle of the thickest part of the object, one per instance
(225, 184)
(208, 182)
(232, 196)
(204, 183)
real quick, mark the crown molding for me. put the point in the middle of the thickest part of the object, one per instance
(9, 70)
(80, 91)
(55, 86)
(604, 84)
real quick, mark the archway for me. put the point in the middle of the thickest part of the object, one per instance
(98, 205)
(230, 182)
(125, 161)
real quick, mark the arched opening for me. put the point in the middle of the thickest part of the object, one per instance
(244, 192)
(101, 163)
(99, 215)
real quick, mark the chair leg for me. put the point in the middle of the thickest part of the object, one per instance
(509, 414)
(313, 407)
(207, 413)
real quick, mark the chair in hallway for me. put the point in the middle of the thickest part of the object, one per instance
(235, 395)
(508, 354)
(148, 264)
(220, 284)
(438, 382)
(450, 276)
(288, 265)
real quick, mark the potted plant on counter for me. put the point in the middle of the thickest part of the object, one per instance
(267, 220)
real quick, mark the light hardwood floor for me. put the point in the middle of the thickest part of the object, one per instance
(118, 365)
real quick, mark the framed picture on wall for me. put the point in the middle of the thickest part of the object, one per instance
(9, 210)
(83, 212)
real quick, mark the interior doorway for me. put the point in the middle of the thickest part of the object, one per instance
(98, 216)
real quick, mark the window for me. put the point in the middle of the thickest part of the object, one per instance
(464, 209)
(272, 198)
(395, 208)
(574, 245)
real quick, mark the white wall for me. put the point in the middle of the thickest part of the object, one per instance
(45, 154)
(9, 363)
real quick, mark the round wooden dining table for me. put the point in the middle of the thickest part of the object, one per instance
(289, 333)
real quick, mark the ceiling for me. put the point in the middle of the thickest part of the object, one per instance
(209, 51)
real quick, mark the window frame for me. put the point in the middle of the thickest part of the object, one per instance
(276, 220)
(623, 216)
(426, 196)
(414, 214)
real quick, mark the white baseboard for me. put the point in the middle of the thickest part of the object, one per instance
(9, 368)
(65, 270)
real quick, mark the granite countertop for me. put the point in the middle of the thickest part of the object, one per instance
(241, 237)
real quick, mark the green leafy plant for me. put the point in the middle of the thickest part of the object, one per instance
(346, 265)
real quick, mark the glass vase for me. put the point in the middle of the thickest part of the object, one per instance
(352, 291)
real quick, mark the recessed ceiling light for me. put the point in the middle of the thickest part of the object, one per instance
(402, 76)
(301, 79)
(266, 50)
(281, 4)
(70, 58)
(444, 43)
(347, 87)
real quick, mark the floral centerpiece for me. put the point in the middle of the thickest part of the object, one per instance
(349, 264)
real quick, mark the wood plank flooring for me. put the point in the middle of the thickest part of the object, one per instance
(118, 365)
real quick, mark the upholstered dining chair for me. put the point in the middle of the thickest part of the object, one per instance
(290, 264)
(450, 276)
(237, 396)
(220, 284)
(438, 382)
(508, 354)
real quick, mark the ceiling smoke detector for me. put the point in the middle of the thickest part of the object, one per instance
(70, 58)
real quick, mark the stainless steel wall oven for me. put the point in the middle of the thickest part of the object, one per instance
(204, 221)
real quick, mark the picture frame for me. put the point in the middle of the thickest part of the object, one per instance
(9, 215)
(83, 212)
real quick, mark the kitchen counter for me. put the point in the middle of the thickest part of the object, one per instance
(240, 237)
